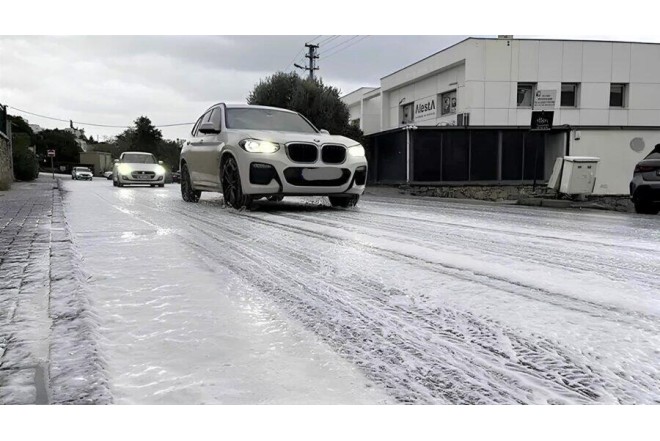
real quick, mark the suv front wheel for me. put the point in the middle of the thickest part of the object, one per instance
(232, 189)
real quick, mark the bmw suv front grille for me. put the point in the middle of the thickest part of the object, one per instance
(333, 154)
(300, 152)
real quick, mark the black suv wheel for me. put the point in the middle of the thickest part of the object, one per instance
(187, 192)
(232, 190)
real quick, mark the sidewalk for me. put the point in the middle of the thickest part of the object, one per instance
(43, 330)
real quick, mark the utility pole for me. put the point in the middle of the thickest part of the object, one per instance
(312, 57)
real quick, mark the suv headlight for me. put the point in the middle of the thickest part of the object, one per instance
(356, 150)
(257, 146)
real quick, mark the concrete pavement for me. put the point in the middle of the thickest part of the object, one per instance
(41, 299)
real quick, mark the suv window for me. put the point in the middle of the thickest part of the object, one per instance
(193, 132)
(267, 119)
(216, 117)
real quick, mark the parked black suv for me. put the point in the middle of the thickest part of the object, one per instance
(645, 184)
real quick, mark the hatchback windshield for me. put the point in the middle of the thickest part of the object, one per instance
(138, 159)
(267, 119)
(82, 169)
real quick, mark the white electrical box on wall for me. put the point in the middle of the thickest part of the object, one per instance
(578, 175)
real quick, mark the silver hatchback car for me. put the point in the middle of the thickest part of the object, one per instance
(138, 168)
(249, 152)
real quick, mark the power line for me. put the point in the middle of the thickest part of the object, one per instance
(331, 48)
(329, 39)
(91, 124)
(346, 47)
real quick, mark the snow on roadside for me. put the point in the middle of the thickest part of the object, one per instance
(77, 369)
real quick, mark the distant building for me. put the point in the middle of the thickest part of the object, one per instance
(79, 135)
(99, 161)
(36, 128)
(462, 115)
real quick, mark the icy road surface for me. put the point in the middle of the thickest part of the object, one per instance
(401, 300)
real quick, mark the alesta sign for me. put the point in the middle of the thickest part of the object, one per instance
(425, 108)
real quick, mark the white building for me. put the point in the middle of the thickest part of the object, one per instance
(608, 105)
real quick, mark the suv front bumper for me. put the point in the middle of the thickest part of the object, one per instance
(276, 174)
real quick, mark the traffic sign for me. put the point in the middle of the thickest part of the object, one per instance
(545, 99)
(51, 153)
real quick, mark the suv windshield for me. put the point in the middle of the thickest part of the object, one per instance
(267, 119)
(138, 159)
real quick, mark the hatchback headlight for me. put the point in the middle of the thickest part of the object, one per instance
(356, 150)
(257, 146)
(124, 169)
(160, 170)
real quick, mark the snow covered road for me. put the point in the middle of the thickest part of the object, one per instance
(402, 300)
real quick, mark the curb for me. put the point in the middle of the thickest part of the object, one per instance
(76, 370)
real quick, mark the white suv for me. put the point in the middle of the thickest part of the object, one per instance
(248, 152)
(138, 168)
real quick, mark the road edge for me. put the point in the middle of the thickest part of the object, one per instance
(77, 371)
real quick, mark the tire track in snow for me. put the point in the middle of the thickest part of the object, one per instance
(571, 376)
(491, 280)
(537, 251)
(437, 369)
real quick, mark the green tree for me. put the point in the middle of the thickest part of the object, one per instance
(319, 103)
(168, 152)
(142, 137)
(26, 167)
(64, 143)
(19, 125)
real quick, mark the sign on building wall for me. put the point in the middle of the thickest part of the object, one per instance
(425, 109)
(542, 120)
(448, 102)
(545, 99)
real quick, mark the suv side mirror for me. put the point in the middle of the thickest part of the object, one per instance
(324, 131)
(208, 127)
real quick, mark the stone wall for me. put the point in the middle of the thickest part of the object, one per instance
(481, 192)
(6, 177)
(524, 194)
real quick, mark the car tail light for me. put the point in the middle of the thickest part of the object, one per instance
(644, 168)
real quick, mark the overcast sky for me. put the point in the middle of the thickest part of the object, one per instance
(112, 80)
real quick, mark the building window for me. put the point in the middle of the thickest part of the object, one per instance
(569, 94)
(407, 113)
(617, 95)
(448, 101)
(525, 94)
